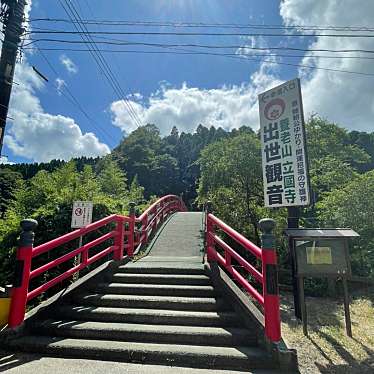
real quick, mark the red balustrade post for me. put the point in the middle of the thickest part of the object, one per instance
(22, 273)
(162, 204)
(209, 229)
(131, 237)
(270, 282)
(119, 239)
(180, 203)
(145, 228)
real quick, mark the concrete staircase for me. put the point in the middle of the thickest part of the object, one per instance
(151, 312)
(160, 310)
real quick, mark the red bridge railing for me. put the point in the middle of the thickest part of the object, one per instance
(127, 233)
(267, 277)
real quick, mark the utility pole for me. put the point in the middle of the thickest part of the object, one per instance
(12, 14)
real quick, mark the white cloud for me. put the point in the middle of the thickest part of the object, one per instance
(69, 65)
(4, 161)
(187, 107)
(40, 136)
(343, 98)
(60, 84)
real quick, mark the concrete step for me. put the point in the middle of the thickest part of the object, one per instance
(147, 316)
(156, 268)
(194, 335)
(203, 304)
(154, 289)
(184, 279)
(177, 355)
(28, 363)
(172, 260)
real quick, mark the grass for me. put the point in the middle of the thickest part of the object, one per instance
(328, 349)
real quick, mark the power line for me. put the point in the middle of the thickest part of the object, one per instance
(107, 68)
(99, 59)
(237, 57)
(196, 45)
(115, 62)
(176, 24)
(166, 33)
(73, 100)
(210, 54)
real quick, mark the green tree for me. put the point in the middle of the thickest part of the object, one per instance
(231, 178)
(144, 154)
(326, 139)
(9, 181)
(112, 179)
(366, 142)
(48, 197)
(136, 193)
(329, 173)
(352, 205)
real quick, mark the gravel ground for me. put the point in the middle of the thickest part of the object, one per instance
(327, 349)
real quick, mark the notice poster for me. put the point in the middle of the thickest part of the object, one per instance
(284, 158)
(81, 214)
(318, 256)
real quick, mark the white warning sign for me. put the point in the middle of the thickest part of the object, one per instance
(82, 214)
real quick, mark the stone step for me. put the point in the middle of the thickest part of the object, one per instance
(156, 268)
(240, 357)
(194, 335)
(147, 316)
(182, 279)
(203, 304)
(154, 289)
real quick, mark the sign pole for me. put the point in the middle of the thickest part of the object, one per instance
(293, 223)
(78, 258)
(304, 315)
(348, 326)
(81, 217)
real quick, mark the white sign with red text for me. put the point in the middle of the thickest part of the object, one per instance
(284, 157)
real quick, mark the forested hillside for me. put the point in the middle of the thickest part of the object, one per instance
(210, 164)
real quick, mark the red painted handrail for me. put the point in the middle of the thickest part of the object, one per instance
(124, 229)
(239, 238)
(269, 302)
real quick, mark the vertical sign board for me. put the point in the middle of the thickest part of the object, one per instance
(284, 158)
(82, 214)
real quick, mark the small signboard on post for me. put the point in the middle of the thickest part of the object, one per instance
(82, 214)
(322, 253)
(284, 157)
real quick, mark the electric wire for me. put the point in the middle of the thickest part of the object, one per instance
(166, 33)
(74, 101)
(100, 60)
(205, 53)
(120, 93)
(110, 41)
(115, 61)
(176, 24)
(232, 56)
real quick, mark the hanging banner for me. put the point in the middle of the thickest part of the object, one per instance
(284, 157)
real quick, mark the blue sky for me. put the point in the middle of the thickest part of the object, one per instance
(170, 89)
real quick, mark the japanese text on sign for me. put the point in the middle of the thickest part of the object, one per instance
(284, 160)
(82, 214)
